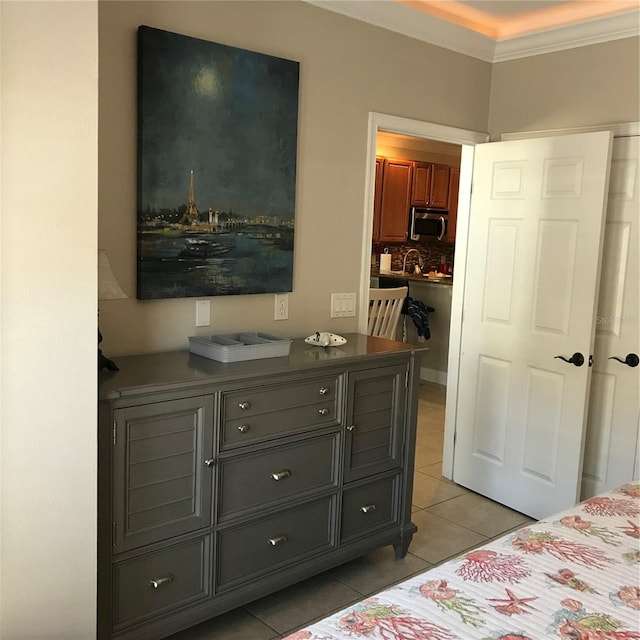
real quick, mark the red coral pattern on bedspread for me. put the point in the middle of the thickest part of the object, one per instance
(574, 576)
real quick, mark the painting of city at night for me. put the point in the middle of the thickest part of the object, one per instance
(217, 139)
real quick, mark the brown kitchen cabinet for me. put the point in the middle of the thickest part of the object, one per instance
(377, 198)
(395, 201)
(421, 187)
(454, 188)
(430, 187)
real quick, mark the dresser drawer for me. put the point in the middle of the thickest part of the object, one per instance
(277, 474)
(369, 506)
(265, 544)
(160, 581)
(257, 414)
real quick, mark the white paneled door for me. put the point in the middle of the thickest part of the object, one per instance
(614, 406)
(536, 222)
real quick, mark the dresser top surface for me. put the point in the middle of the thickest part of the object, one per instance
(175, 369)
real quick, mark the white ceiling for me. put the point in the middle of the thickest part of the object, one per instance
(500, 30)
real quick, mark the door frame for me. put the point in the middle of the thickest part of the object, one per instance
(467, 139)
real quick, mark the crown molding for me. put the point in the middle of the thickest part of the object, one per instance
(422, 26)
(396, 17)
(605, 29)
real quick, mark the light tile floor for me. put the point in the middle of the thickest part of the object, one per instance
(450, 520)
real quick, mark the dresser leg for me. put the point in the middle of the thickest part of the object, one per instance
(401, 547)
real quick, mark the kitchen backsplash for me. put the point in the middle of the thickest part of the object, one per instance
(431, 252)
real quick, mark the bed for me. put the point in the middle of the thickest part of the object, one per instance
(574, 575)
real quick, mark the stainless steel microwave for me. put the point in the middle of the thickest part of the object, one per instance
(428, 224)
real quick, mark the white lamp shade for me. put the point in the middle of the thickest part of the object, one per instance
(108, 287)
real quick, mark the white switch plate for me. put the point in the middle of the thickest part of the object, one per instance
(281, 311)
(203, 313)
(343, 305)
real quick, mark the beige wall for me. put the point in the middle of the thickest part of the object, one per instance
(49, 221)
(578, 87)
(347, 69)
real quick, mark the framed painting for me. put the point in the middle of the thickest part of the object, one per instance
(217, 141)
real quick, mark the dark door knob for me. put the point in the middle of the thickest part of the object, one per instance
(576, 359)
(631, 360)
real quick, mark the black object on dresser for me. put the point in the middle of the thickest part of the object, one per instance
(221, 483)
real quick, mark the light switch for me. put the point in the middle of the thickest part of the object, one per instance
(343, 305)
(203, 313)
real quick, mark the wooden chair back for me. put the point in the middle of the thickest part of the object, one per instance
(385, 306)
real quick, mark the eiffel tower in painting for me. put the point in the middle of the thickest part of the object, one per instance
(191, 215)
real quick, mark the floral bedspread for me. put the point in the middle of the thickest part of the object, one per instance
(575, 575)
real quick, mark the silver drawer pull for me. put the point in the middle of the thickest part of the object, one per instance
(274, 542)
(351, 427)
(323, 412)
(210, 462)
(368, 508)
(281, 475)
(156, 583)
(243, 428)
(324, 391)
(244, 405)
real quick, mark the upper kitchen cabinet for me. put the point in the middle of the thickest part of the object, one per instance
(377, 198)
(440, 186)
(430, 185)
(454, 188)
(395, 201)
(421, 188)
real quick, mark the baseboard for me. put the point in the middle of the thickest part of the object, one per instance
(433, 375)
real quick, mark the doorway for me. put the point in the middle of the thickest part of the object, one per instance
(379, 122)
(430, 160)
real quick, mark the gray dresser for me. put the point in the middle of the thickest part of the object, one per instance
(221, 483)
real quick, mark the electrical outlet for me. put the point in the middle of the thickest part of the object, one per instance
(203, 313)
(343, 305)
(281, 306)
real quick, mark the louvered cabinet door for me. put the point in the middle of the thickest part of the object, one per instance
(376, 400)
(162, 475)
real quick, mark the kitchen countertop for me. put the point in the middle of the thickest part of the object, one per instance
(413, 278)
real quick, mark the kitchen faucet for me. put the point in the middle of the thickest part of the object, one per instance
(404, 262)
